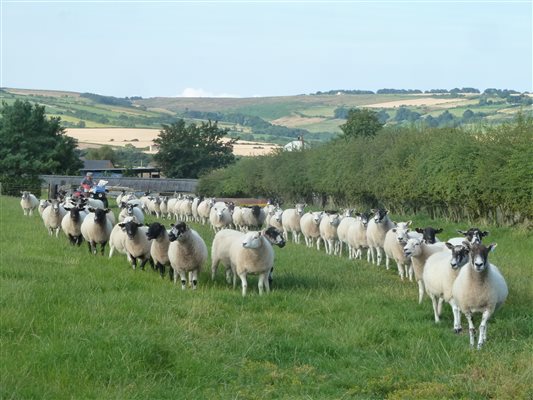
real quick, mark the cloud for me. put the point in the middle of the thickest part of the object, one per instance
(199, 92)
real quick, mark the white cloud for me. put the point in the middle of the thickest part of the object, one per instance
(199, 92)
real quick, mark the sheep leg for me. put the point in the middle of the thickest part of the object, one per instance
(71, 239)
(483, 328)
(183, 278)
(57, 231)
(229, 275)
(471, 328)
(193, 278)
(244, 283)
(143, 263)
(90, 248)
(420, 291)
(411, 273)
(318, 240)
(171, 273)
(263, 282)
(79, 240)
(133, 261)
(435, 307)
(102, 247)
(439, 306)
(161, 268)
(379, 256)
(401, 269)
(214, 267)
(456, 317)
(271, 277)
(370, 255)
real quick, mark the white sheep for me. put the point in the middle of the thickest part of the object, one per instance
(479, 287)
(275, 220)
(117, 239)
(159, 249)
(237, 218)
(290, 219)
(194, 208)
(171, 205)
(342, 231)
(440, 271)
(253, 217)
(154, 206)
(137, 243)
(96, 229)
(220, 216)
(328, 232)
(28, 202)
(42, 205)
(419, 252)
(357, 236)
(52, 217)
(184, 209)
(163, 207)
(131, 210)
(187, 253)
(204, 209)
(377, 228)
(395, 240)
(220, 251)
(71, 224)
(95, 203)
(145, 200)
(310, 227)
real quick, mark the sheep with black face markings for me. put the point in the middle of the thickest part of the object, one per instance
(71, 224)
(377, 228)
(96, 229)
(187, 253)
(131, 210)
(159, 249)
(479, 287)
(137, 243)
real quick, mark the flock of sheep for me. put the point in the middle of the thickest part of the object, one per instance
(456, 271)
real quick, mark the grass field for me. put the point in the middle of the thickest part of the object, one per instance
(78, 326)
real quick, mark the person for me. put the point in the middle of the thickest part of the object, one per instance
(87, 183)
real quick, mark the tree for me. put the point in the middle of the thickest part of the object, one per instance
(104, 152)
(188, 151)
(361, 122)
(32, 144)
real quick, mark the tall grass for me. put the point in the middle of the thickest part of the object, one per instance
(78, 326)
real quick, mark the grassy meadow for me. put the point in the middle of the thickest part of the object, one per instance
(78, 326)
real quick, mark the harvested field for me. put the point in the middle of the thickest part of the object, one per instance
(427, 101)
(296, 120)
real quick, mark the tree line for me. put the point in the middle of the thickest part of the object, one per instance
(475, 174)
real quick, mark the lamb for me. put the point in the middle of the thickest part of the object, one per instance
(395, 240)
(253, 217)
(96, 229)
(472, 235)
(131, 210)
(52, 217)
(440, 271)
(310, 227)
(377, 228)
(204, 209)
(159, 249)
(419, 253)
(71, 224)
(429, 234)
(187, 253)
(28, 202)
(253, 255)
(328, 232)
(479, 287)
(290, 219)
(357, 236)
(220, 216)
(137, 243)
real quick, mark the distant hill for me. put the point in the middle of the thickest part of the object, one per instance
(280, 119)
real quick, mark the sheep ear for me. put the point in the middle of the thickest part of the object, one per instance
(492, 246)
(409, 223)
(462, 232)
(357, 214)
(92, 209)
(486, 233)
(449, 245)
(439, 230)
(394, 230)
(107, 210)
(67, 208)
(419, 230)
(121, 224)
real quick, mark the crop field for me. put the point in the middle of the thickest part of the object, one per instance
(75, 325)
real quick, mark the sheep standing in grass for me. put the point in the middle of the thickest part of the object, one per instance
(238, 221)
(440, 271)
(137, 243)
(290, 218)
(52, 217)
(395, 239)
(479, 287)
(328, 232)
(253, 217)
(342, 231)
(117, 239)
(357, 236)
(171, 205)
(194, 208)
(71, 224)
(220, 216)
(163, 207)
(96, 229)
(419, 253)
(42, 205)
(159, 248)
(154, 206)
(377, 228)
(185, 209)
(187, 253)
(275, 220)
(204, 209)
(28, 202)
(310, 227)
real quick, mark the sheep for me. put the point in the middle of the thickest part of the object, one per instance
(419, 253)
(187, 253)
(184, 209)
(479, 287)
(428, 234)
(131, 210)
(71, 224)
(395, 240)
(328, 232)
(357, 236)
(220, 250)
(159, 249)
(275, 220)
(117, 239)
(440, 271)
(154, 206)
(194, 208)
(171, 205)
(253, 217)
(52, 217)
(238, 221)
(95, 203)
(290, 219)
(253, 255)
(220, 216)
(145, 199)
(137, 243)
(472, 235)
(42, 205)
(342, 230)
(118, 199)
(163, 207)
(96, 229)
(310, 227)
(28, 202)
(376, 231)
(204, 209)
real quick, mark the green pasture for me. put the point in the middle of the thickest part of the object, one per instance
(79, 326)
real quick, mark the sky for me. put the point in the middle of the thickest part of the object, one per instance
(264, 48)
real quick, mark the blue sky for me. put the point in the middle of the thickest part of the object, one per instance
(262, 48)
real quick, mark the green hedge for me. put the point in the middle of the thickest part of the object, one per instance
(482, 173)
